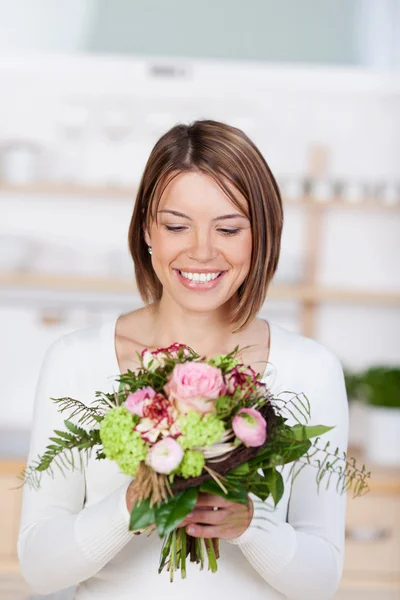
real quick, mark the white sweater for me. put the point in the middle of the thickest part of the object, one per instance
(74, 530)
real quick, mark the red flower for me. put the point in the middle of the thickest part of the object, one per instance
(158, 409)
(241, 377)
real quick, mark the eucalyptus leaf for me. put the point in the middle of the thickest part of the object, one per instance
(275, 484)
(141, 515)
(240, 470)
(305, 432)
(169, 514)
(236, 491)
(259, 486)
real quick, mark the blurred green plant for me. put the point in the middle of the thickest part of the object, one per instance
(380, 386)
(353, 385)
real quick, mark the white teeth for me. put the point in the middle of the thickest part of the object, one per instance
(200, 277)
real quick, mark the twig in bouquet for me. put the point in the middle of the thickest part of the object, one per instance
(217, 478)
(306, 415)
(150, 485)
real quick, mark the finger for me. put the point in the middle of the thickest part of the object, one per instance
(208, 517)
(205, 531)
(211, 500)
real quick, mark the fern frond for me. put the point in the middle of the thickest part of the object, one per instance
(61, 453)
(349, 476)
(85, 414)
(295, 404)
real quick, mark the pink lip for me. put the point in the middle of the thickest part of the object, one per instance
(195, 285)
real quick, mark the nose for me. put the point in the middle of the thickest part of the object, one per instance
(201, 248)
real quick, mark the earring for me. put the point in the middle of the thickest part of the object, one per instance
(149, 249)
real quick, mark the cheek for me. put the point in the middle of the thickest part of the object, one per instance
(240, 252)
(167, 245)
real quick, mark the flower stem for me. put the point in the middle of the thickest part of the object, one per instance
(212, 559)
(183, 552)
(172, 562)
(165, 552)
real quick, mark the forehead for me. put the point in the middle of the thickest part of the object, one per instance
(194, 190)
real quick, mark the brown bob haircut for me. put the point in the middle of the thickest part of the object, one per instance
(227, 155)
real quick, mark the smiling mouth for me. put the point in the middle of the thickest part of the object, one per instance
(200, 277)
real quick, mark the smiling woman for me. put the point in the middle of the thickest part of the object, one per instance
(210, 209)
(205, 238)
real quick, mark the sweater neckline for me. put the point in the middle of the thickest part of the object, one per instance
(269, 374)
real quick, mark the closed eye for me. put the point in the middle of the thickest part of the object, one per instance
(182, 228)
(229, 231)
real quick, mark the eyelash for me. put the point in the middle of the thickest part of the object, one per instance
(226, 232)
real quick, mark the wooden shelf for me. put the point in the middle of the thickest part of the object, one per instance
(65, 189)
(278, 291)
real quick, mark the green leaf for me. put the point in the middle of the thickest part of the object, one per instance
(259, 486)
(241, 470)
(236, 491)
(141, 515)
(169, 514)
(305, 432)
(275, 484)
(75, 429)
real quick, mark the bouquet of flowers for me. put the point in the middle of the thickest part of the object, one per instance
(184, 424)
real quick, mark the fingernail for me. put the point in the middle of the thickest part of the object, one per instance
(191, 529)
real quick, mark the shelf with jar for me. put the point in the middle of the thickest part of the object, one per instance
(304, 194)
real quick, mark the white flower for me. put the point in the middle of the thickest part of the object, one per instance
(156, 361)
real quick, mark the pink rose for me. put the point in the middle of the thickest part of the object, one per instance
(195, 386)
(250, 427)
(135, 402)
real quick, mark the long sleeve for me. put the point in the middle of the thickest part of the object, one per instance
(303, 557)
(61, 543)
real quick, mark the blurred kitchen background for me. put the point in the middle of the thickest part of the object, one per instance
(88, 86)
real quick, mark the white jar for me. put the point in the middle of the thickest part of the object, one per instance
(382, 436)
(19, 162)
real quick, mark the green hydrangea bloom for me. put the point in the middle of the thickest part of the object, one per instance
(120, 442)
(199, 430)
(222, 361)
(192, 464)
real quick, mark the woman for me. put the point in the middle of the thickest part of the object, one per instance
(205, 240)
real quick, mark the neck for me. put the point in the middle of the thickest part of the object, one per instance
(207, 333)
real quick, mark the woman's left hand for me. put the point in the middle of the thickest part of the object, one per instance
(228, 522)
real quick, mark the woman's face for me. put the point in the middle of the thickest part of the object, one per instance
(201, 246)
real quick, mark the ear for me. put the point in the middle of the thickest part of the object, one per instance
(147, 238)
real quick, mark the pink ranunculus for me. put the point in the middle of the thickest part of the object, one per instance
(136, 401)
(165, 456)
(195, 386)
(250, 427)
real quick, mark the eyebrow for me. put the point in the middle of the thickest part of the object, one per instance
(179, 214)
